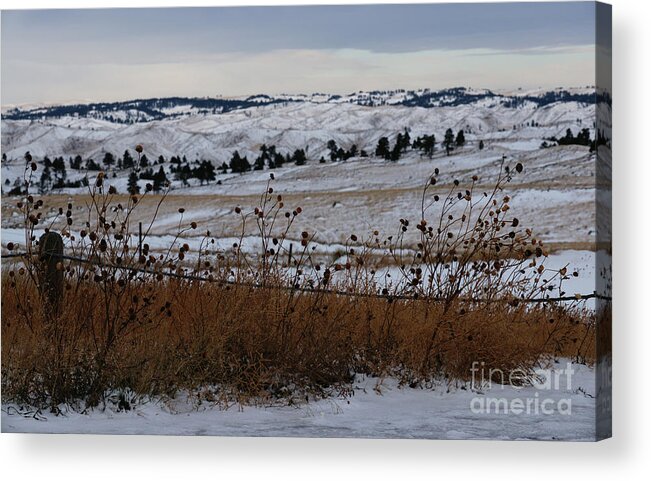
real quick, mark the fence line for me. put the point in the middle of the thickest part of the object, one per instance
(190, 277)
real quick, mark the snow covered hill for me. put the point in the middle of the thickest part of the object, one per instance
(289, 122)
(508, 125)
(145, 110)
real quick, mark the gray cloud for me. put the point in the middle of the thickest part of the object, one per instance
(125, 53)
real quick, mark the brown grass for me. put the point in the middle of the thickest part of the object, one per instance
(258, 345)
(260, 332)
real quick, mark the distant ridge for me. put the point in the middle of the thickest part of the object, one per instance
(147, 110)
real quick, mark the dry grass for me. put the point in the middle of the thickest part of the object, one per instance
(263, 331)
(246, 344)
(333, 214)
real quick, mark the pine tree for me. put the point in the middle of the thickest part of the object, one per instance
(159, 179)
(144, 161)
(92, 165)
(263, 158)
(299, 157)
(352, 152)
(332, 147)
(127, 160)
(60, 174)
(399, 142)
(75, 163)
(206, 171)
(448, 141)
(481, 145)
(45, 182)
(426, 143)
(406, 140)
(461, 139)
(279, 160)
(132, 184)
(583, 137)
(108, 160)
(382, 149)
(238, 164)
(395, 152)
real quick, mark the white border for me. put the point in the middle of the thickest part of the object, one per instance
(146, 457)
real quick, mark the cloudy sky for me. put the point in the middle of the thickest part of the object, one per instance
(118, 54)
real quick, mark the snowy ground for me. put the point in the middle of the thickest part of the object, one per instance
(376, 410)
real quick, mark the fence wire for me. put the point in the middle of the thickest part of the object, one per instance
(222, 282)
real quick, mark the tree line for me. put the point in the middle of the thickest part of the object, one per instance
(54, 174)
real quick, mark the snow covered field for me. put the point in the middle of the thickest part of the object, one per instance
(555, 195)
(378, 409)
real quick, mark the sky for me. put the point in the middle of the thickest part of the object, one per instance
(50, 56)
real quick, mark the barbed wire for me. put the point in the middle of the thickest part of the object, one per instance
(414, 297)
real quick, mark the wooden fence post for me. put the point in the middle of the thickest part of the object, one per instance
(50, 254)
